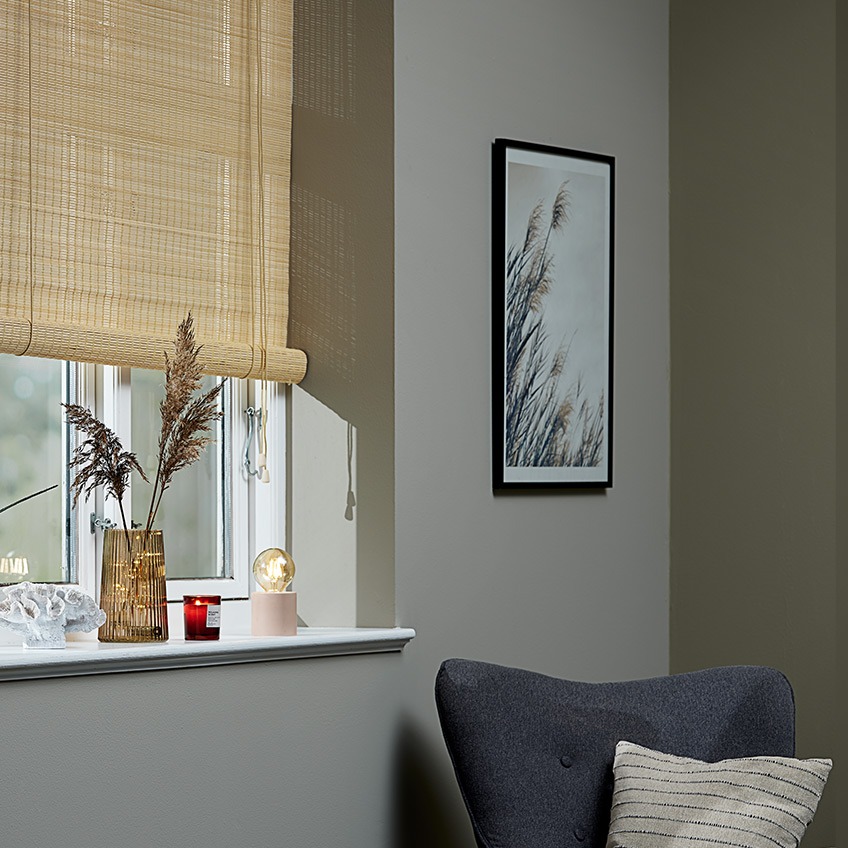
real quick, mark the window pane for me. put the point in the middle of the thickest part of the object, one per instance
(31, 458)
(194, 515)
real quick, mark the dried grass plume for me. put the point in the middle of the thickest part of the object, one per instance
(187, 420)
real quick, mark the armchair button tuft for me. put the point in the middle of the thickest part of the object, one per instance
(579, 835)
(566, 761)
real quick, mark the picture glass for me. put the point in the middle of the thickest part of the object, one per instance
(553, 298)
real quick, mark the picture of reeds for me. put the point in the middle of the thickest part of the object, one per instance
(553, 317)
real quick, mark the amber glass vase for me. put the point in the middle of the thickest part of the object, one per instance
(132, 587)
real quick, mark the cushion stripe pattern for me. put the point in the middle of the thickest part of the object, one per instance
(664, 801)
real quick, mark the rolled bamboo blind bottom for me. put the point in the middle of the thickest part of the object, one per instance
(93, 344)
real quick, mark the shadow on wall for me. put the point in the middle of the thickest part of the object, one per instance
(342, 250)
(422, 790)
(342, 307)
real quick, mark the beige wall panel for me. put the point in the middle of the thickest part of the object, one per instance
(753, 253)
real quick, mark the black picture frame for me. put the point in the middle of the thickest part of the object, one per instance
(553, 226)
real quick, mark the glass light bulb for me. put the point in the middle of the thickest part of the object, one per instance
(273, 570)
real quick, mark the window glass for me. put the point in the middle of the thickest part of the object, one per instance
(32, 458)
(195, 511)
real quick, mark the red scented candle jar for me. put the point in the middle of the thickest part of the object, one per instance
(202, 615)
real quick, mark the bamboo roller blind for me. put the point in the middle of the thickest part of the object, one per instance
(133, 144)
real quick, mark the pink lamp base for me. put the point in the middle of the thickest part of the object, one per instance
(273, 613)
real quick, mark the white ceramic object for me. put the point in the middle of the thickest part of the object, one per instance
(43, 613)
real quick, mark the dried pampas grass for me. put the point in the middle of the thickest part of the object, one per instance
(187, 420)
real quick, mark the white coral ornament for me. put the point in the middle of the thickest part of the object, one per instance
(43, 613)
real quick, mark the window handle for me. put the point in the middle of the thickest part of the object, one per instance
(254, 429)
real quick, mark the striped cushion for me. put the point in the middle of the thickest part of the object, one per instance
(662, 801)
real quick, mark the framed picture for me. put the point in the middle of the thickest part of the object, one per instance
(552, 316)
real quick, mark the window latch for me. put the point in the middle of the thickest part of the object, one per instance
(95, 521)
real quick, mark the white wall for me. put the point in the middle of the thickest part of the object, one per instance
(346, 752)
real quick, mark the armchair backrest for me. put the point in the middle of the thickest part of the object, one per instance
(533, 754)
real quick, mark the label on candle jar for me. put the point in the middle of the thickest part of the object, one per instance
(213, 615)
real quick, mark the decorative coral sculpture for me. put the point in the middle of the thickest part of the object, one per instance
(43, 613)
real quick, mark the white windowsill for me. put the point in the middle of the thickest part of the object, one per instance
(79, 658)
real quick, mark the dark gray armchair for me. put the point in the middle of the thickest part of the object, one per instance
(533, 754)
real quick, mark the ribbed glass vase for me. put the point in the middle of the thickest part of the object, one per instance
(132, 587)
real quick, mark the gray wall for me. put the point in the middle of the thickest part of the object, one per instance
(569, 584)
(842, 399)
(753, 294)
(346, 752)
(342, 312)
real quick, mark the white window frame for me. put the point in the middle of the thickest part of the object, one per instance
(258, 509)
(87, 553)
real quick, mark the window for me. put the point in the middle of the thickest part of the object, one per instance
(34, 538)
(213, 516)
(196, 516)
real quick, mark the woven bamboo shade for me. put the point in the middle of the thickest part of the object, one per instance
(143, 177)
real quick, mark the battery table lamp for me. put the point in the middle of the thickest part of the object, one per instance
(273, 609)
